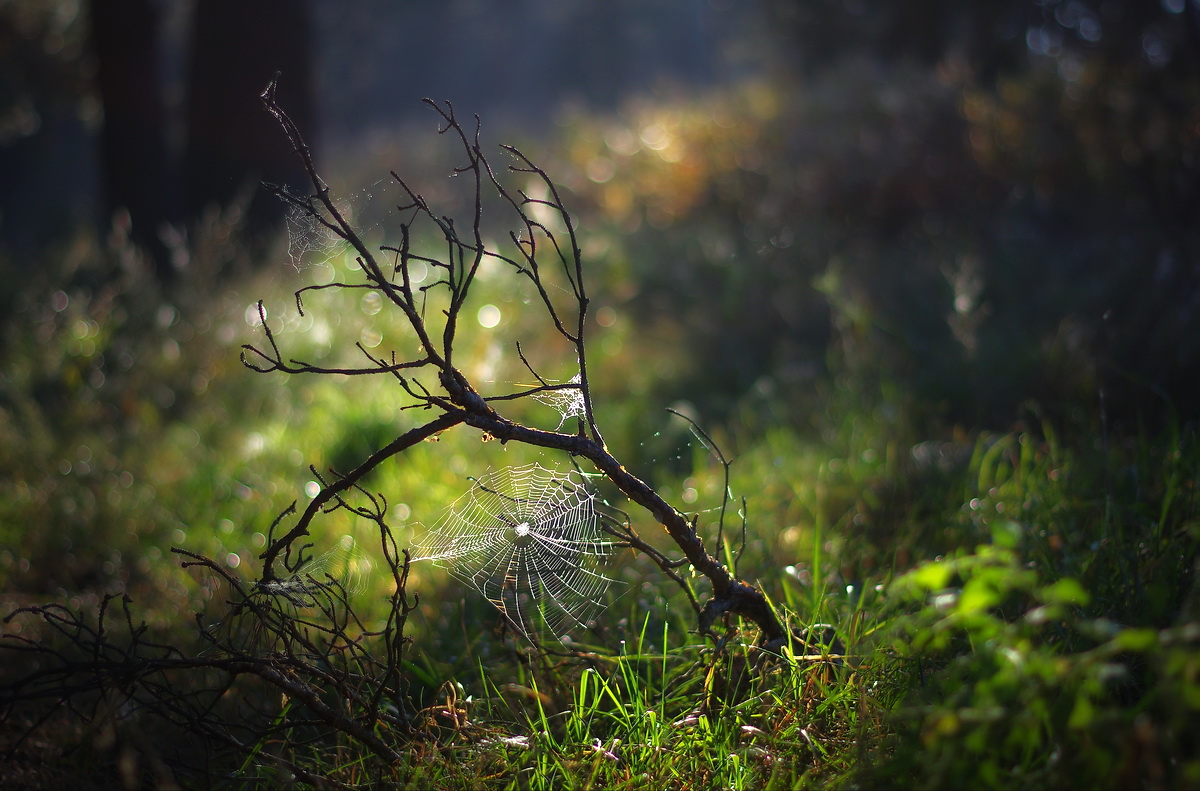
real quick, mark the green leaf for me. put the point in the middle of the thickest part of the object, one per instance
(1135, 640)
(1007, 534)
(1067, 590)
(930, 577)
(1082, 714)
(977, 595)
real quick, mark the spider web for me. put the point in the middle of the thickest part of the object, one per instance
(529, 540)
(310, 242)
(346, 564)
(343, 570)
(568, 402)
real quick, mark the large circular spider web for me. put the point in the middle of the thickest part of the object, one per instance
(529, 540)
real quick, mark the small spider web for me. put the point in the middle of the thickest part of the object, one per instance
(346, 564)
(568, 402)
(310, 242)
(340, 572)
(529, 540)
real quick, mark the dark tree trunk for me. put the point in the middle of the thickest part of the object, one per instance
(232, 143)
(133, 143)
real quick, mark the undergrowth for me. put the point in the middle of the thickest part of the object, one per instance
(967, 608)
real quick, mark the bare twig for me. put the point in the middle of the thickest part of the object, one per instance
(535, 247)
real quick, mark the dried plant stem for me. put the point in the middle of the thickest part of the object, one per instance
(536, 252)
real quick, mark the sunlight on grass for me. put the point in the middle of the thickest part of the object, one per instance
(965, 606)
(979, 633)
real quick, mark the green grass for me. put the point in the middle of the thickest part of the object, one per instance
(1008, 610)
(649, 716)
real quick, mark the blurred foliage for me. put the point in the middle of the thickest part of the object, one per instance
(936, 299)
(1014, 687)
(1053, 655)
(979, 240)
(42, 45)
(106, 412)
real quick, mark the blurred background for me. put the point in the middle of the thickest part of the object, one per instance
(827, 229)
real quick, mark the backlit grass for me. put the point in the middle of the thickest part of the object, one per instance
(969, 608)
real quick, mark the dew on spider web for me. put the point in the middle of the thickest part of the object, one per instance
(529, 540)
(312, 242)
(342, 571)
(568, 401)
(346, 563)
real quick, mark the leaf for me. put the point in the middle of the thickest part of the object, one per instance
(1007, 534)
(977, 595)
(1135, 640)
(1067, 590)
(1082, 714)
(930, 577)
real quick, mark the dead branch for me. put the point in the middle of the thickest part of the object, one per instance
(538, 254)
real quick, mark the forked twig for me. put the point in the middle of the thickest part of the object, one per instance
(537, 253)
